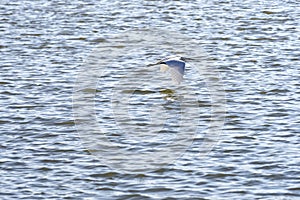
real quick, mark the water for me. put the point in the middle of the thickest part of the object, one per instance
(254, 46)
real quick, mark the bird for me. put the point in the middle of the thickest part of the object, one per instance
(175, 65)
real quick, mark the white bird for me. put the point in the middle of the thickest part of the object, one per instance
(175, 65)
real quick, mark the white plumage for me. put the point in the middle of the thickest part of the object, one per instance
(175, 65)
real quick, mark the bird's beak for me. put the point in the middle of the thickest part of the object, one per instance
(149, 65)
(153, 64)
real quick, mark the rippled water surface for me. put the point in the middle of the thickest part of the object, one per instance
(255, 47)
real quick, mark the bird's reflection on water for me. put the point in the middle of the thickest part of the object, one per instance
(170, 95)
(167, 94)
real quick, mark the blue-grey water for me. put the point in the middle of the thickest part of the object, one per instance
(255, 47)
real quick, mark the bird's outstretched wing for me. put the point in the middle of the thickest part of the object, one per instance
(176, 76)
(176, 70)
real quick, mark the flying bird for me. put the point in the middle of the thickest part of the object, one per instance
(175, 65)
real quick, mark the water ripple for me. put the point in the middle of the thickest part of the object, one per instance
(254, 45)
